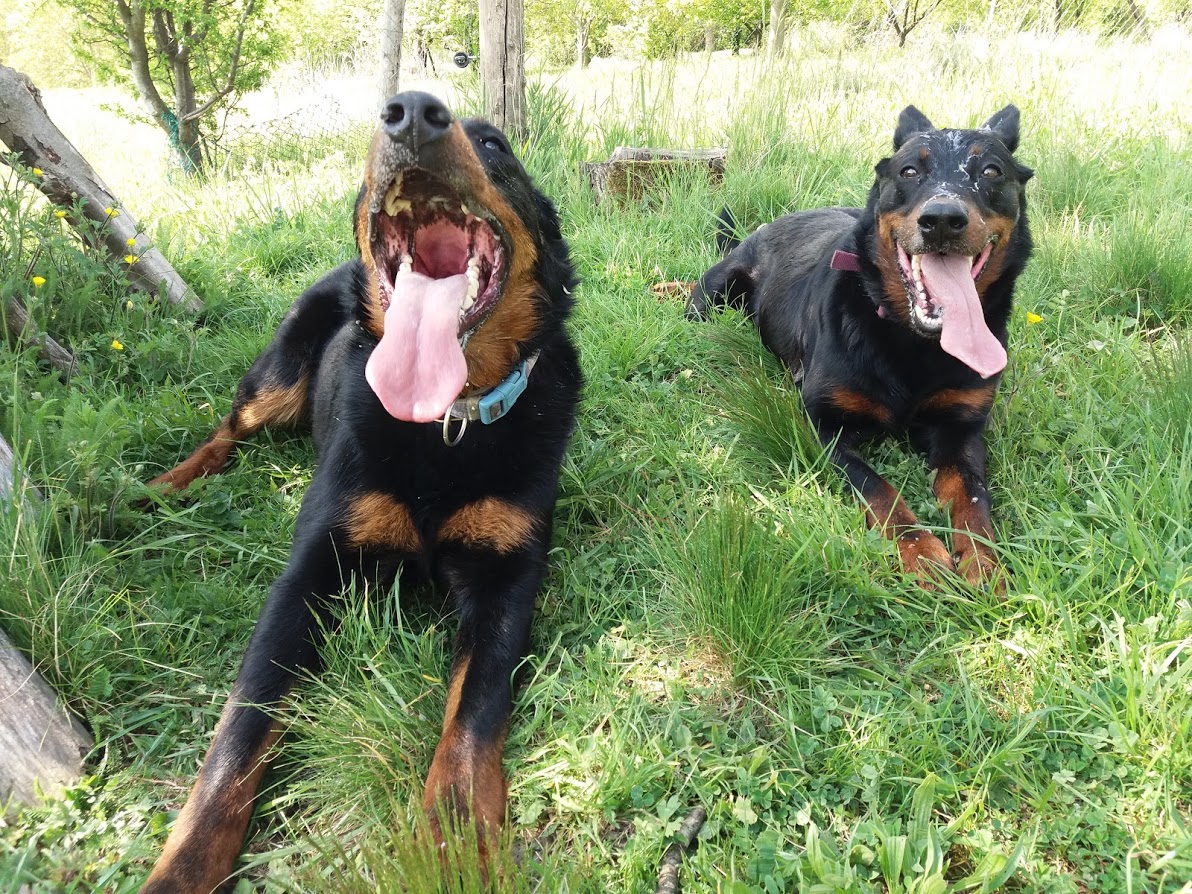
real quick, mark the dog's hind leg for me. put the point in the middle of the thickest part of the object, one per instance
(729, 282)
(276, 389)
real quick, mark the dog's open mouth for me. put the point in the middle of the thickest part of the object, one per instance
(942, 294)
(441, 266)
(932, 280)
(425, 229)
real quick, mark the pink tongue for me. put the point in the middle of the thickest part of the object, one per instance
(418, 369)
(949, 283)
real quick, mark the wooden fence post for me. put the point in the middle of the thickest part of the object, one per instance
(503, 65)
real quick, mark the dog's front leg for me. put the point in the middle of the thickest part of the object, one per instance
(201, 851)
(493, 571)
(958, 456)
(920, 552)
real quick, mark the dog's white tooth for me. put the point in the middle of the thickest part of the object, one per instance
(464, 208)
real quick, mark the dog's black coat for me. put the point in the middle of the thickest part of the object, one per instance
(474, 518)
(865, 363)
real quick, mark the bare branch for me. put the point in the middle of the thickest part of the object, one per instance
(668, 872)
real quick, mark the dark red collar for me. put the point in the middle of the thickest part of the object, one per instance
(845, 260)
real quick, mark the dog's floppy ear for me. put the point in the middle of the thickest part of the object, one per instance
(910, 122)
(1004, 126)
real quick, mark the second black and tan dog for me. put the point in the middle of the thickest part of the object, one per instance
(893, 318)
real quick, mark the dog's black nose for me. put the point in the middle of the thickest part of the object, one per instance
(416, 118)
(942, 218)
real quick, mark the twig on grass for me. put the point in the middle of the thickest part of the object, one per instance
(668, 871)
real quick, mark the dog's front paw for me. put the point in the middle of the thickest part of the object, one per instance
(980, 568)
(924, 555)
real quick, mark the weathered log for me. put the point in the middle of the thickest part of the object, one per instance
(57, 356)
(8, 476)
(42, 745)
(630, 173)
(68, 181)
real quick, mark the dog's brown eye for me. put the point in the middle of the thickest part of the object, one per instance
(909, 171)
(991, 171)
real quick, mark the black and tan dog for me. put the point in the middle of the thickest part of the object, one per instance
(442, 389)
(893, 317)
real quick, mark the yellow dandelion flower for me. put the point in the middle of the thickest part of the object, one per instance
(39, 281)
(110, 211)
(128, 304)
(1033, 318)
(130, 259)
(131, 241)
(37, 172)
(116, 345)
(59, 214)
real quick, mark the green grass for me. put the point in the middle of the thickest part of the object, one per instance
(718, 627)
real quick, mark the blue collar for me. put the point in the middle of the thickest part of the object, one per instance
(497, 402)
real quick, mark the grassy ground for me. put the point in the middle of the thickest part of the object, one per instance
(718, 629)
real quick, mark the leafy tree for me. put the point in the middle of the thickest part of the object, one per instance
(329, 34)
(201, 54)
(562, 31)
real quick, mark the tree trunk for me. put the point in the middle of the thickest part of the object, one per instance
(583, 50)
(42, 746)
(503, 65)
(777, 27)
(67, 179)
(709, 38)
(187, 141)
(390, 63)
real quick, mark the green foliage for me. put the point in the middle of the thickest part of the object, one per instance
(718, 627)
(330, 34)
(444, 25)
(32, 27)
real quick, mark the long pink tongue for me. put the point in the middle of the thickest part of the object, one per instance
(418, 369)
(949, 283)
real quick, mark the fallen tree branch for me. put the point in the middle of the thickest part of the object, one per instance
(42, 745)
(668, 871)
(68, 181)
(8, 477)
(53, 353)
